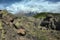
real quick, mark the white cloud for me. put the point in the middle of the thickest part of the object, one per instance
(34, 6)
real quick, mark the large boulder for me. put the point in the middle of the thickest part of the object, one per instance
(48, 22)
(57, 24)
(51, 22)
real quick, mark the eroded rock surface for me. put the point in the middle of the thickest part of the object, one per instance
(25, 28)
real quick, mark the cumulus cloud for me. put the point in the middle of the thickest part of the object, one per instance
(33, 6)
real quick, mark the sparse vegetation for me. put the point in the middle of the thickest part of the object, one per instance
(43, 14)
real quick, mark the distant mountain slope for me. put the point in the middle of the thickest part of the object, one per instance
(43, 14)
(25, 14)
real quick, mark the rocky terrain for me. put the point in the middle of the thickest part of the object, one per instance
(28, 28)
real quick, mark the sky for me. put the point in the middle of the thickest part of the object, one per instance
(26, 6)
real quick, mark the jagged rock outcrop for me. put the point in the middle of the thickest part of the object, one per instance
(14, 28)
(7, 28)
(51, 22)
(24, 28)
